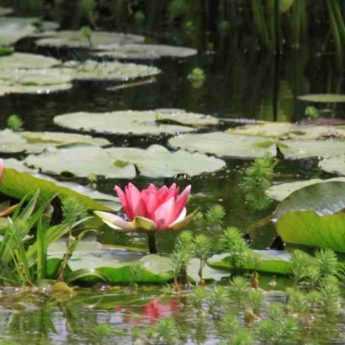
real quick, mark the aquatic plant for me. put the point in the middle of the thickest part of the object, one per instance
(15, 123)
(150, 210)
(197, 77)
(256, 180)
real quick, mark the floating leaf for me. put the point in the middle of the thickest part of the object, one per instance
(323, 98)
(136, 122)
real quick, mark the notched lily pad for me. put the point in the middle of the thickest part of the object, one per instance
(284, 130)
(27, 61)
(14, 28)
(146, 52)
(109, 201)
(83, 161)
(98, 40)
(157, 161)
(334, 165)
(266, 261)
(323, 98)
(223, 144)
(152, 122)
(35, 81)
(281, 191)
(111, 71)
(36, 142)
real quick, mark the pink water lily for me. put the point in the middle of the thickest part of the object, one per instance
(149, 210)
(152, 208)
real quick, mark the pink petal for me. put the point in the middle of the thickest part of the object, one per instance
(181, 217)
(164, 215)
(182, 199)
(123, 200)
(135, 203)
(149, 198)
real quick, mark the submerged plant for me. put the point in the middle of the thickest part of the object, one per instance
(197, 77)
(15, 123)
(150, 210)
(257, 179)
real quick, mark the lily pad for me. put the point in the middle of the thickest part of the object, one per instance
(267, 261)
(35, 142)
(152, 122)
(146, 52)
(306, 149)
(154, 162)
(82, 161)
(27, 61)
(94, 262)
(323, 98)
(334, 165)
(36, 81)
(114, 71)
(223, 144)
(18, 184)
(107, 200)
(284, 130)
(14, 28)
(157, 161)
(99, 40)
(281, 191)
(323, 198)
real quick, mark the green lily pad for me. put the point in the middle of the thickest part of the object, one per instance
(109, 201)
(18, 184)
(223, 144)
(323, 198)
(35, 81)
(334, 165)
(111, 71)
(284, 130)
(99, 40)
(281, 191)
(313, 216)
(27, 61)
(306, 149)
(146, 52)
(94, 262)
(36, 142)
(227, 145)
(323, 98)
(312, 229)
(154, 162)
(208, 274)
(14, 28)
(152, 122)
(157, 161)
(82, 161)
(267, 261)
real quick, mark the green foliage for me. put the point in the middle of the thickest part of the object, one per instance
(312, 112)
(279, 328)
(177, 8)
(6, 51)
(24, 246)
(15, 123)
(73, 211)
(139, 18)
(257, 179)
(197, 74)
(165, 331)
(87, 7)
(233, 244)
(86, 32)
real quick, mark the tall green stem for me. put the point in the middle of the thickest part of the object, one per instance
(151, 236)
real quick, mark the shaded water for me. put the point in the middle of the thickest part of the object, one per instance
(240, 83)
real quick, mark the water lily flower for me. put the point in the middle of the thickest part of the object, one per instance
(150, 210)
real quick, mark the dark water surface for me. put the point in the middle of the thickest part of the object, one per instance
(240, 83)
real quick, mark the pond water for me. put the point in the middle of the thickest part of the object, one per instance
(240, 83)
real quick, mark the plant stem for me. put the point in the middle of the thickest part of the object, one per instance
(151, 236)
